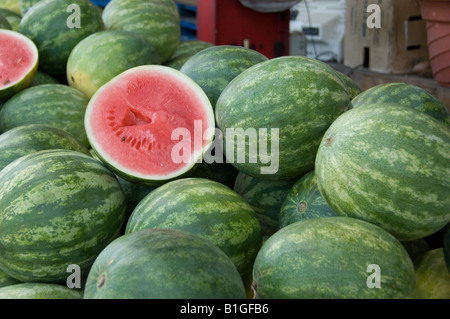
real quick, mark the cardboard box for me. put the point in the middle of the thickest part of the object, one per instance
(394, 48)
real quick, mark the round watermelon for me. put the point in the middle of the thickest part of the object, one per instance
(163, 264)
(150, 124)
(55, 105)
(407, 95)
(12, 17)
(213, 68)
(333, 258)
(59, 208)
(4, 23)
(185, 50)
(20, 59)
(265, 197)
(303, 201)
(273, 115)
(389, 165)
(205, 208)
(432, 277)
(156, 20)
(56, 27)
(103, 55)
(39, 291)
(43, 78)
(27, 139)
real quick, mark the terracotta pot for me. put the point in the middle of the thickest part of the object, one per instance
(437, 15)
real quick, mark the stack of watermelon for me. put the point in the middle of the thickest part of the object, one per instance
(134, 165)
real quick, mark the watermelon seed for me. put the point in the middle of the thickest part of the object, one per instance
(101, 281)
(6, 82)
(302, 206)
(123, 138)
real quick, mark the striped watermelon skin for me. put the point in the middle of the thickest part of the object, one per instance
(55, 105)
(185, 51)
(389, 165)
(213, 68)
(265, 197)
(432, 277)
(331, 257)
(58, 208)
(4, 23)
(353, 89)
(7, 280)
(207, 209)
(12, 17)
(407, 95)
(27, 139)
(46, 23)
(163, 264)
(156, 20)
(43, 78)
(303, 201)
(39, 291)
(297, 95)
(103, 55)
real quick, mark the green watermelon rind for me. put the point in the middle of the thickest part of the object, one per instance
(39, 291)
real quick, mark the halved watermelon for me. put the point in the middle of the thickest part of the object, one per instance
(18, 62)
(131, 124)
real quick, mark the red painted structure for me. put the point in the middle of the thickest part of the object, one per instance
(228, 22)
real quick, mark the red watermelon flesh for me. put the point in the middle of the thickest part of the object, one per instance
(18, 57)
(130, 120)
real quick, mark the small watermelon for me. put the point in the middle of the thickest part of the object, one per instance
(213, 68)
(265, 197)
(12, 17)
(163, 264)
(27, 139)
(407, 95)
(20, 59)
(185, 51)
(389, 165)
(55, 105)
(156, 20)
(56, 27)
(284, 105)
(303, 201)
(4, 23)
(333, 258)
(150, 124)
(39, 291)
(432, 277)
(207, 209)
(103, 55)
(59, 207)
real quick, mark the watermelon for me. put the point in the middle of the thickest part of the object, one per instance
(43, 78)
(213, 68)
(207, 209)
(404, 94)
(353, 89)
(39, 291)
(59, 207)
(13, 5)
(20, 59)
(163, 264)
(333, 258)
(133, 121)
(303, 201)
(389, 165)
(432, 277)
(285, 104)
(6, 280)
(25, 5)
(446, 246)
(12, 17)
(56, 105)
(156, 20)
(4, 23)
(265, 197)
(52, 25)
(27, 139)
(185, 50)
(103, 55)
